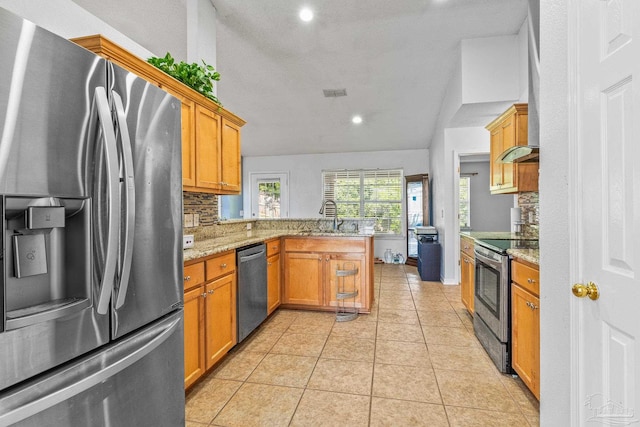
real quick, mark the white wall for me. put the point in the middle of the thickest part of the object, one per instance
(555, 336)
(480, 65)
(68, 20)
(488, 212)
(451, 140)
(305, 179)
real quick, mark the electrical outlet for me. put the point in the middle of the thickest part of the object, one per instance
(196, 220)
(187, 241)
(188, 220)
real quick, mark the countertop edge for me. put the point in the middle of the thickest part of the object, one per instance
(213, 246)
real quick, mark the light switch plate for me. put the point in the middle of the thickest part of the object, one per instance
(187, 241)
(188, 220)
(196, 220)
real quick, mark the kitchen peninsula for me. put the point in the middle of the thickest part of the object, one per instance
(303, 257)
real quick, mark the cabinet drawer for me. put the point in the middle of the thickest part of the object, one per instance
(325, 244)
(273, 247)
(525, 276)
(221, 265)
(193, 275)
(466, 246)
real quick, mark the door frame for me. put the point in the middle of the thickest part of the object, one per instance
(254, 177)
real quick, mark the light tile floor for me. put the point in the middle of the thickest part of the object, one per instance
(414, 361)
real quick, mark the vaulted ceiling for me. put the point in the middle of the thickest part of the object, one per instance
(393, 57)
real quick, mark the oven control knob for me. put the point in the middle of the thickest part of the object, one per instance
(589, 290)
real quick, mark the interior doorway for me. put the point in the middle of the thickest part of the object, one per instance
(417, 197)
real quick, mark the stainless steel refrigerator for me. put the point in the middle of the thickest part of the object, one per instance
(91, 321)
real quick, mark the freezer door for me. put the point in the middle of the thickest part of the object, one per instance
(136, 382)
(148, 130)
(46, 92)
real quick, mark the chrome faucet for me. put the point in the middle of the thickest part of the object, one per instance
(335, 214)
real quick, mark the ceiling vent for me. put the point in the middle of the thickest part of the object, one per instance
(334, 93)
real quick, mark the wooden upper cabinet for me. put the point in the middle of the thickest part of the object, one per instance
(210, 134)
(207, 149)
(509, 130)
(231, 174)
(188, 143)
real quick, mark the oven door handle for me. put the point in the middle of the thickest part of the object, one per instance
(486, 260)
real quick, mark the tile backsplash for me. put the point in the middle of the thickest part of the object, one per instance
(203, 204)
(529, 203)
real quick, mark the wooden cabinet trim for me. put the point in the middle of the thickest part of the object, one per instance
(526, 276)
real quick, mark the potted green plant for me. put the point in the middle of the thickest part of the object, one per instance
(196, 76)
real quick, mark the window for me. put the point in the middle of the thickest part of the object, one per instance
(269, 194)
(464, 210)
(366, 193)
(269, 199)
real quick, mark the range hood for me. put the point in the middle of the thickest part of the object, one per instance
(520, 154)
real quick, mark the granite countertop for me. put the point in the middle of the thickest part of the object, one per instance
(205, 247)
(531, 255)
(496, 235)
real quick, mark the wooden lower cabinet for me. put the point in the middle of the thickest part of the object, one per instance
(467, 280)
(349, 283)
(220, 314)
(303, 279)
(194, 363)
(525, 325)
(309, 268)
(467, 272)
(210, 328)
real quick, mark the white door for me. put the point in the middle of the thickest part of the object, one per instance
(606, 350)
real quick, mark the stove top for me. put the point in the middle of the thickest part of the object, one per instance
(501, 246)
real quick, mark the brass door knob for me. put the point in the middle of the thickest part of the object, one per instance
(589, 290)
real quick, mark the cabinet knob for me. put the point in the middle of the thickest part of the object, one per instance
(204, 295)
(187, 278)
(211, 291)
(531, 305)
(223, 265)
(529, 280)
(269, 263)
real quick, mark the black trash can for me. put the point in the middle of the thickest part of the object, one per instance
(429, 255)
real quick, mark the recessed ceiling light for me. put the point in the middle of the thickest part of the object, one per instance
(357, 119)
(306, 14)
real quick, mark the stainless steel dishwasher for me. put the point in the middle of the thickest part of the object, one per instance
(252, 288)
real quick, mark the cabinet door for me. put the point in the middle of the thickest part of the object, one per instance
(303, 279)
(207, 148)
(335, 262)
(467, 280)
(194, 362)
(495, 168)
(273, 282)
(508, 141)
(188, 143)
(526, 337)
(230, 158)
(221, 333)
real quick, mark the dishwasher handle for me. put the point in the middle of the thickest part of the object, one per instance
(251, 257)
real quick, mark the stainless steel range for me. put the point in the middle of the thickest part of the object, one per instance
(492, 320)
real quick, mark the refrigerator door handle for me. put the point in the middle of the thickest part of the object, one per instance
(111, 161)
(129, 199)
(80, 376)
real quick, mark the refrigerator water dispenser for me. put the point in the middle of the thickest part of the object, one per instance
(47, 271)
